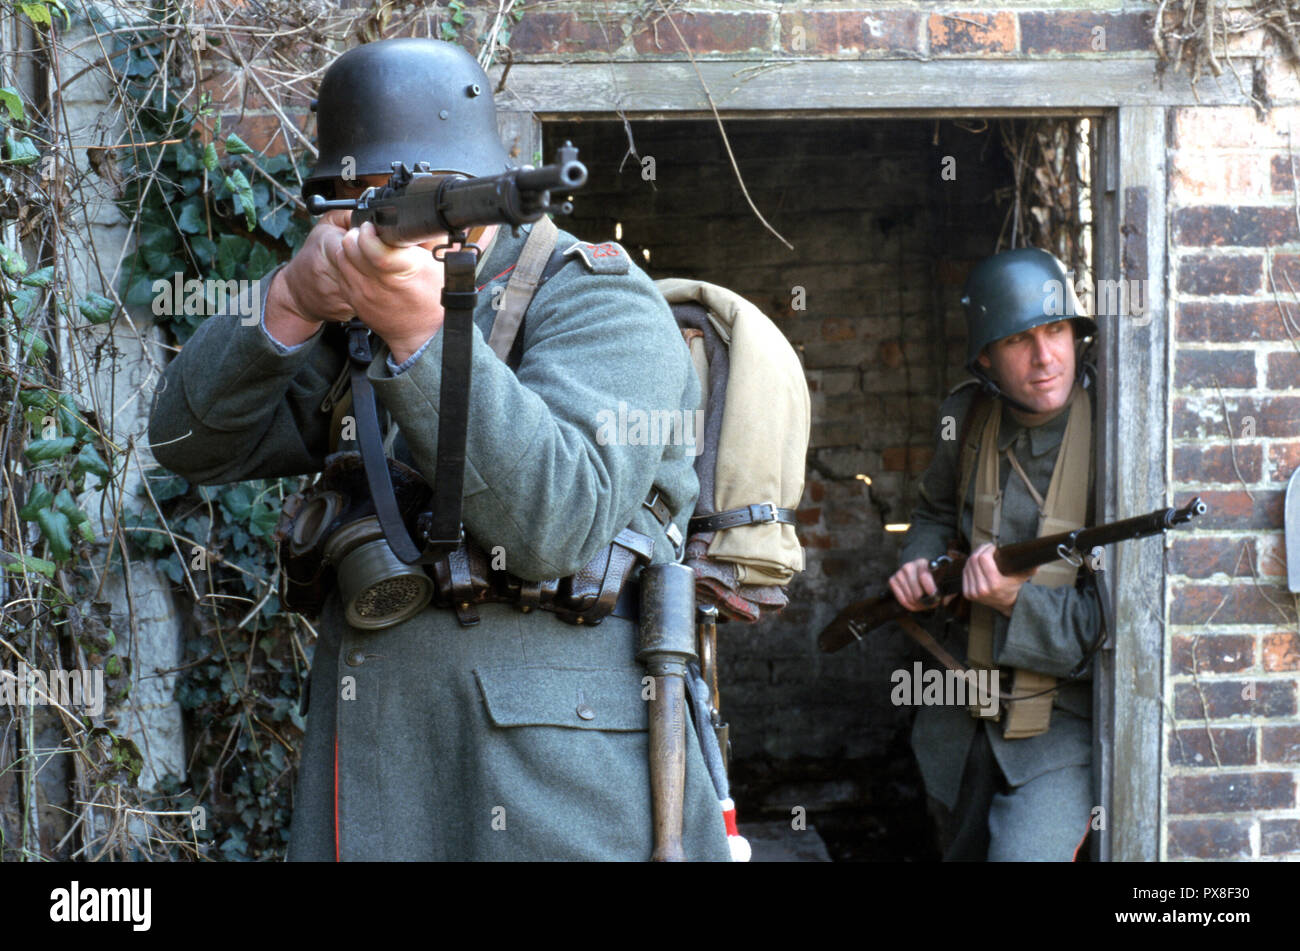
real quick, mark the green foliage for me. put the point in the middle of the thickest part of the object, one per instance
(62, 452)
(209, 208)
(450, 28)
(212, 208)
(241, 687)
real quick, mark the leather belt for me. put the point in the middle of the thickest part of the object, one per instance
(757, 514)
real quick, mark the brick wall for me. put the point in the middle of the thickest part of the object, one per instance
(1233, 748)
(578, 31)
(881, 248)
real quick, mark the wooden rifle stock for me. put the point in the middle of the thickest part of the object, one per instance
(863, 617)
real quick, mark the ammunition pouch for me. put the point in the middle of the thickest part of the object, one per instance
(466, 578)
(330, 537)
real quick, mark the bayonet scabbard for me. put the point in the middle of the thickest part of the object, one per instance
(667, 645)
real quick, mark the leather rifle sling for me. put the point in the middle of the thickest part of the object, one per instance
(440, 530)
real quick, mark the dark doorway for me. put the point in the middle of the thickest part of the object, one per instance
(886, 218)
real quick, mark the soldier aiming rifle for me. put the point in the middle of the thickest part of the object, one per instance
(463, 704)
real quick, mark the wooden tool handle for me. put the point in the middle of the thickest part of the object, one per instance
(668, 766)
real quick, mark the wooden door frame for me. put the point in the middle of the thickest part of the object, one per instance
(1132, 110)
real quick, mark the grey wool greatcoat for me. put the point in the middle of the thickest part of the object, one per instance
(465, 743)
(1049, 631)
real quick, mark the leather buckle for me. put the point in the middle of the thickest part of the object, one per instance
(675, 536)
(664, 517)
(762, 512)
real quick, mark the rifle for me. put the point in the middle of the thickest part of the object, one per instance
(415, 206)
(863, 617)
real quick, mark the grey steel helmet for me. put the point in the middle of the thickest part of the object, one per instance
(405, 100)
(1014, 291)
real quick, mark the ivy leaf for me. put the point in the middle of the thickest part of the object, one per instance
(296, 233)
(232, 251)
(24, 301)
(21, 151)
(34, 348)
(263, 521)
(36, 12)
(34, 399)
(274, 164)
(140, 293)
(275, 222)
(40, 498)
(187, 159)
(13, 263)
(97, 308)
(42, 278)
(210, 157)
(13, 102)
(90, 461)
(190, 220)
(205, 249)
(171, 567)
(43, 450)
(238, 501)
(244, 195)
(158, 262)
(58, 5)
(23, 563)
(66, 505)
(237, 146)
(260, 261)
(57, 531)
(71, 421)
(165, 485)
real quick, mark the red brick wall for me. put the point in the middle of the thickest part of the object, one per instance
(1234, 735)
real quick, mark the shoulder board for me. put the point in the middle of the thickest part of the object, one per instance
(607, 258)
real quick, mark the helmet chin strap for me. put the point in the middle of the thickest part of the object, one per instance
(989, 386)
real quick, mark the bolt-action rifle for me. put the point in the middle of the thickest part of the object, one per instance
(863, 617)
(416, 206)
(413, 208)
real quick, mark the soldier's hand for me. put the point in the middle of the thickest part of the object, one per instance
(982, 583)
(312, 289)
(396, 291)
(913, 582)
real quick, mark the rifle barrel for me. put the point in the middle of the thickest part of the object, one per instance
(862, 617)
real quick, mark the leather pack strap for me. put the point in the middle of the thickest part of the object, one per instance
(757, 514)
(926, 640)
(522, 285)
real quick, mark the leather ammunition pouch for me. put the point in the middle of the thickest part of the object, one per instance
(466, 578)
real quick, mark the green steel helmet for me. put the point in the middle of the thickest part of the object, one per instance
(1014, 291)
(404, 100)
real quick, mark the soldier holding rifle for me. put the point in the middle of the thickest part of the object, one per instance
(1018, 787)
(489, 718)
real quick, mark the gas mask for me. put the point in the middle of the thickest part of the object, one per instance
(331, 537)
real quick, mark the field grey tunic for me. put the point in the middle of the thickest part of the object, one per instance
(453, 742)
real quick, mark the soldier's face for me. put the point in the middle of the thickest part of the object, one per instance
(344, 188)
(1035, 367)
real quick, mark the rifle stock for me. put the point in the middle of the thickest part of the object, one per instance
(866, 616)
